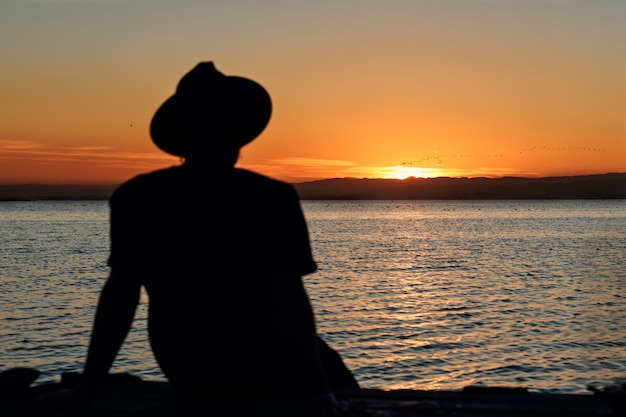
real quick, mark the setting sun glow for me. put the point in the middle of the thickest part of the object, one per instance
(402, 172)
(369, 89)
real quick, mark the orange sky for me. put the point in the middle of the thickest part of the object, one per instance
(361, 88)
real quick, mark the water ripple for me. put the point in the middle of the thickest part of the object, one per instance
(427, 295)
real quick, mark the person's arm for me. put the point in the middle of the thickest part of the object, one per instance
(114, 316)
(295, 331)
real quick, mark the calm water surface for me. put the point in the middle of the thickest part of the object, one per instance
(414, 294)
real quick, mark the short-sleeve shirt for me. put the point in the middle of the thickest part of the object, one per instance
(239, 224)
(212, 252)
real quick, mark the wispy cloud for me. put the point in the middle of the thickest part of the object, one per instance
(295, 169)
(13, 150)
(312, 162)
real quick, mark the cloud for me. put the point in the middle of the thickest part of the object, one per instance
(7, 145)
(312, 162)
(96, 155)
(298, 169)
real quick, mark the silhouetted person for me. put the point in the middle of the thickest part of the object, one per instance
(221, 253)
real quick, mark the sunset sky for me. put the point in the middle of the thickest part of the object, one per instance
(361, 88)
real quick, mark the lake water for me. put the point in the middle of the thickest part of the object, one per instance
(413, 294)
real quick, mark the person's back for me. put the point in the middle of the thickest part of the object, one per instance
(218, 251)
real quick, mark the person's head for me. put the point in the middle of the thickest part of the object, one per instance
(211, 115)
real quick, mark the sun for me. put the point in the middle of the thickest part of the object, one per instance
(400, 172)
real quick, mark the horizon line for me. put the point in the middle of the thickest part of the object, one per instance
(106, 184)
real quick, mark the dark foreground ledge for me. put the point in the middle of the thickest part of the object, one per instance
(128, 396)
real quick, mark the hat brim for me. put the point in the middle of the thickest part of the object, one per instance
(235, 114)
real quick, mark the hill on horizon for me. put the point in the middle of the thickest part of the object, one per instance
(611, 185)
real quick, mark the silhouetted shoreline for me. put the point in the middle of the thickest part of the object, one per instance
(33, 192)
(600, 186)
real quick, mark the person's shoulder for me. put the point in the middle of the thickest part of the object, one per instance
(262, 181)
(142, 183)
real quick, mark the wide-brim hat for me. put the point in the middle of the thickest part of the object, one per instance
(229, 110)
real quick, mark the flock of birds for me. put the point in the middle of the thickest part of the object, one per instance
(437, 159)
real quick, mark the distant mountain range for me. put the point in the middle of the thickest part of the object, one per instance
(445, 188)
(442, 188)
